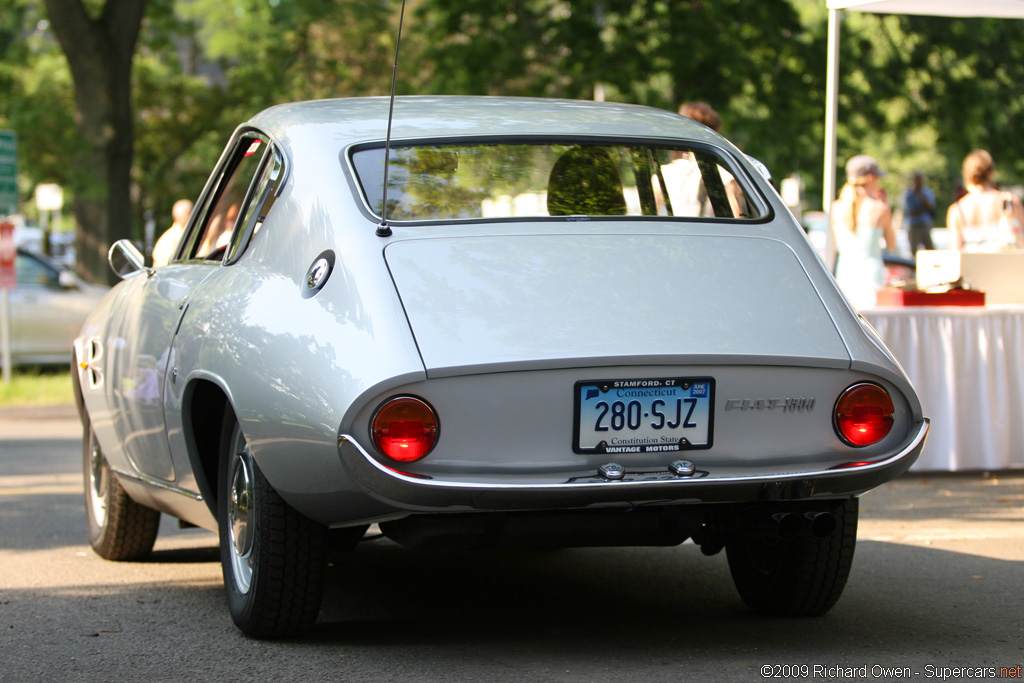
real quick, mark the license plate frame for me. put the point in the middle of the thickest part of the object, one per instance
(638, 397)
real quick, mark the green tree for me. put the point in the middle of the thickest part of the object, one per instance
(99, 42)
(920, 92)
(205, 66)
(756, 63)
(136, 115)
(128, 104)
(36, 100)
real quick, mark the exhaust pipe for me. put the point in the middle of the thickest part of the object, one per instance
(757, 522)
(819, 524)
(753, 521)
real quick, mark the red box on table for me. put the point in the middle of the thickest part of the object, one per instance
(893, 296)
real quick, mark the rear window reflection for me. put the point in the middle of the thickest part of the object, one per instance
(474, 181)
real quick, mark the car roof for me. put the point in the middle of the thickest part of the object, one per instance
(364, 119)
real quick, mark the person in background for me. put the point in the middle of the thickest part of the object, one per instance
(919, 213)
(985, 219)
(702, 112)
(860, 222)
(164, 249)
(687, 191)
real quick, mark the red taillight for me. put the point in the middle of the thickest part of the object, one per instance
(864, 414)
(404, 428)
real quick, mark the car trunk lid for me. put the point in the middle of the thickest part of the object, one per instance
(522, 302)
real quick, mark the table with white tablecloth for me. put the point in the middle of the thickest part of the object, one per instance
(967, 364)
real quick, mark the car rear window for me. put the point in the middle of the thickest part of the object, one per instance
(532, 180)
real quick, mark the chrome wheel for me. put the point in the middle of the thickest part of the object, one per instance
(241, 520)
(273, 558)
(119, 528)
(99, 482)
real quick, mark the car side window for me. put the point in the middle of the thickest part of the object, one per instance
(229, 204)
(263, 194)
(34, 273)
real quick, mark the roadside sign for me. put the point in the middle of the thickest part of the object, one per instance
(8, 172)
(8, 276)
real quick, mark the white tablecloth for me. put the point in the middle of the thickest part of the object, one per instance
(967, 364)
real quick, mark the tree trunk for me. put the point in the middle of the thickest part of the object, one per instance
(99, 52)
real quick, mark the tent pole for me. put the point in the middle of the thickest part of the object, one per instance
(835, 18)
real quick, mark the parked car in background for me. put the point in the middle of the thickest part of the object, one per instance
(48, 307)
(31, 238)
(575, 324)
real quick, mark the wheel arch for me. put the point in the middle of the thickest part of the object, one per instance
(76, 385)
(204, 403)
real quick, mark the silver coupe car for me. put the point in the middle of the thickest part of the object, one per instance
(514, 323)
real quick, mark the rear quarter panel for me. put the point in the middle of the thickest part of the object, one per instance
(292, 366)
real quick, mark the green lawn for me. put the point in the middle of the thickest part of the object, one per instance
(36, 387)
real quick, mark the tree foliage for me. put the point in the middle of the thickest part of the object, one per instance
(921, 92)
(36, 95)
(755, 62)
(916, 92)
(99, 41)
(201, 68)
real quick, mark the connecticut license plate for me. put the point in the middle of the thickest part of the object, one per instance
(643, 415)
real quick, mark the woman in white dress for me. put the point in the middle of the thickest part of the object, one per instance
(984, 219)
(860, 223)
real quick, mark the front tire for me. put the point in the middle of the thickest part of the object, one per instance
(802, 576)
(273, 557)
(119, 528)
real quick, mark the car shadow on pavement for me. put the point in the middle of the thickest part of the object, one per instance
(899, 598)
(22, 527)
(185, 555)
(646, 614)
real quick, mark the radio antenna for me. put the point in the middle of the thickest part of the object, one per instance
(383, 229)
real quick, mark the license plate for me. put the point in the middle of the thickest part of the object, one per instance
(643, 415)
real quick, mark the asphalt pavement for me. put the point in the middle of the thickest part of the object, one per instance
(935, 594)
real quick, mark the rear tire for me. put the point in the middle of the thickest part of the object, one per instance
(802, 576)
(273, 558)
(119, 528)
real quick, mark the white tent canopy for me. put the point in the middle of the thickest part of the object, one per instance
(1008, 9)
(1005, 9)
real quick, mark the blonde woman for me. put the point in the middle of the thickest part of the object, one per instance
(860, 222)
(984, 219)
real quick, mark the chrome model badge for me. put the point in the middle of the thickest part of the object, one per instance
(786, 405)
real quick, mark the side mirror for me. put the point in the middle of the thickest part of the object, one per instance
(126, 260)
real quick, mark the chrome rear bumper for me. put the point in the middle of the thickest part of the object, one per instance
(420, 494)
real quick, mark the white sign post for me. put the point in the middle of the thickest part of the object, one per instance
(49, 198)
